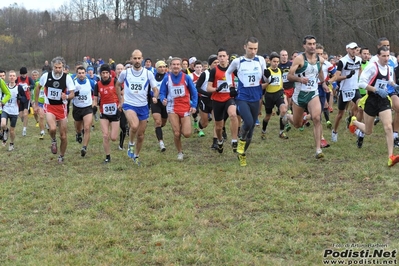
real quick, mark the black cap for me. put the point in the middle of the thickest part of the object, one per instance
(105, 67)
(23, 70)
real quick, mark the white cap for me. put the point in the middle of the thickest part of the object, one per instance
(192, 60)
(351, 45)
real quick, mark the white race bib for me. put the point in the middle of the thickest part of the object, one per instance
(311, 85)
(177, 91)
(82, 98)
(109, 109)
(348, 95)
(53, 94)
(285, 77)
(381, 84)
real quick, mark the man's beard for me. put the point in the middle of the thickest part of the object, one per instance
(57, 75)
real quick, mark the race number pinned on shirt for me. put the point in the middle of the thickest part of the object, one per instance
(285, 77)
(54, 94)
(177, 91)
(381, 84)
(226, 89)
(109, 109)
(311, 85)
(348, 95)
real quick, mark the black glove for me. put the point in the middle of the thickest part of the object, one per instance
(233, 92)
(77, 93)
(350, 74)
(267, 73)
(222, 86)
(273, 79)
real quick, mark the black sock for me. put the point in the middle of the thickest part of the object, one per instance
(108, 157)
(264, 125)
(326, 114)
(158, 133)
(281, 124)
(215, 140)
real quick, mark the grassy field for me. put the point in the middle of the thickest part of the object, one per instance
(284, 208)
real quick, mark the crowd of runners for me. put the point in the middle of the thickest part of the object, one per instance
(193, 94)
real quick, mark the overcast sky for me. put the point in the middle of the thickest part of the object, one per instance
(39, 5)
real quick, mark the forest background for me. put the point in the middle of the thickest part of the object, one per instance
(185, 28)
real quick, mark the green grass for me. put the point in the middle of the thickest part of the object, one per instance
(284, 208)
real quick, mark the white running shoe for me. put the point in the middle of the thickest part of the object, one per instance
(162, 146)
(334, 136)
(180, 156)
(11, 147)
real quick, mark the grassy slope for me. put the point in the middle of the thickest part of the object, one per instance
(284, 208)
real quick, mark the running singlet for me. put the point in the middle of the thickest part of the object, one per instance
(178, 96)
(380, 81)
(25, 85)
(250, 74)
(109, 98)
(11, 107)
(220, 78)
(277, 83)
(137, 86)
(84, 98)
(310, 71)
(54, 88)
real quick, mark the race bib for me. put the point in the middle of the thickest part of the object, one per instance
(177, 91)
(285, 77)
(82, 98)
(276, 80)
(41, 93)
(224, 90)
(348, 95)
(109, 109)
(250, 80)
(136, 87)
(311, 85)
(381, 84)
(53, 94)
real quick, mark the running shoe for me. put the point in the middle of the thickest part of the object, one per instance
(263, 135)
(180, 156)
(214, 146)
(37, 124)
(201, 133)
(130, 151)
(79, 138)
(24, 132)
(393, 159)
(220, 146)
(234, 145)
(334, 136)
(41, 137)
(11, 147)
(162, 146)
(329, 124)
(107, 161)
(257, 123)
(241, 146)
(283, 136)
(352, 127)
(54, 147)
(243, 159)
(324, 143)
(83, 152)
(287, 127)
(319, 155)
(60, 159)
(136, 160)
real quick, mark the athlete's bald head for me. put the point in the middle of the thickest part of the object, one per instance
(137, 59)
